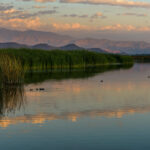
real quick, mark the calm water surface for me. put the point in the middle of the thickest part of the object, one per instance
(79, 114)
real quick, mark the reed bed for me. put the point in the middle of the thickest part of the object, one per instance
(45, 60)
(11, 68)
(14, 62)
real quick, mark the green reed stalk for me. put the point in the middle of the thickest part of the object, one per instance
(11, 69)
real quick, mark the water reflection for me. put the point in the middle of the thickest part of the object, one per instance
(78, 113)
(72, 116)
(36, 77)
(12, 98)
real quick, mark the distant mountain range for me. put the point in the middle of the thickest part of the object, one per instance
(43, 46)
(31, 37)
(129, 47)
(35, 39)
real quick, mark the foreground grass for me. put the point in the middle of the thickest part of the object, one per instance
(40, 59)
(11, 69)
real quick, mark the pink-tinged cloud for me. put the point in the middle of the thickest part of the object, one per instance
(116, 27)
(37, 6)
(123, 3)
(10, 11)
(125, 28)
(17, 23)
(67, 26)
(119, 27)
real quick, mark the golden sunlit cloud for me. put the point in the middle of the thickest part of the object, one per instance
(67, 26)
(37, 6)
(29, 23)
(10, 11)
(116, 27)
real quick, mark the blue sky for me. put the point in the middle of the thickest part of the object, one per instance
(112, 19)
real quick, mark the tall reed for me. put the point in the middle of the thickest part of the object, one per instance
(11, 69)
(58, 59)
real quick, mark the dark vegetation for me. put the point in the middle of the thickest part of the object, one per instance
(46, 60)
(141, 58)
(11, 69)
(15, 62)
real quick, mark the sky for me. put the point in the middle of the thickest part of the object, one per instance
(103, 19)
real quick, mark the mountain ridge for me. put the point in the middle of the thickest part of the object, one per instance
(44, 46)
(33, 37)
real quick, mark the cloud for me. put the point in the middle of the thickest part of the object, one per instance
(13, 13)
(17, 23)
(38, 7)
(19, 19)
(133, 14)
(9, 11)
(75, 15)
(118, 27)
(94, 16)
(41, 1)
(44, 12)
(98, 15)
(4, 8)
(123, 3)
(67, 26)
(80, 27)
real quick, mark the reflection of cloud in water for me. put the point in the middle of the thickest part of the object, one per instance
(119, 95)
(73, 116)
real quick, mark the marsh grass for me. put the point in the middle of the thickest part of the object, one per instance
(12, 71)
(58, 59)
(14, 62)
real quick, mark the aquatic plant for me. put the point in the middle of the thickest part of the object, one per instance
(54, 59)
(11, 69)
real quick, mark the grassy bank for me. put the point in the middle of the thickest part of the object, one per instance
(39, 59)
